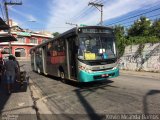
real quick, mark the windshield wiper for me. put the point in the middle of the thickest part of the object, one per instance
(90, 37)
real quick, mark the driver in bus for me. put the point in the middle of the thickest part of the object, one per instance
(109, 51)
(82, 48)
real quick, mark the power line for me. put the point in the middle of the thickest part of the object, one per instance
(131, 22)
(72, 24)
(100, 2)
(84, 11)
(94, 1)
(153, 16)
(150, 16)
(2, 11)
(46, 28)
(81, 13)
(104, 1)
(70, 27)
(134, 16)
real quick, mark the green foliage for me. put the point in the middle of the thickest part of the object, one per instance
(140, 27)
(55, 34)
(140, 48)
(120, 39)
(119, 31)
(142, 40)
(141, 32)
(155, 28)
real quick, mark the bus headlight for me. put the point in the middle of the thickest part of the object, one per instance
(116, 67)
(88, 70)
(81, 67)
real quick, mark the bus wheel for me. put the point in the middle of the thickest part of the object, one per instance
(62, 76)
(39, 71)
(46, 74)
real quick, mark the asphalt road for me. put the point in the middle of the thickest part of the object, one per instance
(125, 94)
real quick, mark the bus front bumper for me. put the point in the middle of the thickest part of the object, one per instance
(84, 76)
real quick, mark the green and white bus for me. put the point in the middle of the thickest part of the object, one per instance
(83, 54)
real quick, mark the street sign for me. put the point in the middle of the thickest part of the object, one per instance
(23, 34)
(83, 25)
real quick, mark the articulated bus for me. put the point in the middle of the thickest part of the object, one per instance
(83, 54)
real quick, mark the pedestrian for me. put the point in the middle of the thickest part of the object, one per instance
(17, 75)
(10, 71)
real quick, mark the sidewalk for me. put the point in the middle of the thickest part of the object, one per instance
(141, 74)
(18, 105)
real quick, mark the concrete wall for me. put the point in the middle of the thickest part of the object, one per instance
(147, 60)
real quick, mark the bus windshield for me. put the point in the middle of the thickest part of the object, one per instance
(96, 48)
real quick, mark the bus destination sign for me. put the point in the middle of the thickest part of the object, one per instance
(86, 30)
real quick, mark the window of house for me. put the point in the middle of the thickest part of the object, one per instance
(6, 50)
(20, 52)
(1, 48)
(21, 39)
(44, 40)
(34, 40)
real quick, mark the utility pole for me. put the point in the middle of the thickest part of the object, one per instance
(101, 10)
(7, 18)
(72, 24)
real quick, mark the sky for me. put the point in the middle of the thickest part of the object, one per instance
(52, 15)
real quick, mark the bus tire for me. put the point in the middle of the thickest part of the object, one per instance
(62, 76)
(38, 70)
(45, 74)
(59, 76)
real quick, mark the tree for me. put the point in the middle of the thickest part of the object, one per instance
(155, 29)
(55, 34)
(119, 31)
(120, 39)
(142, 31)
(140, 27)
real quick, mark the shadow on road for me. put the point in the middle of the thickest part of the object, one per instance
(3, 99)
(20, 88)
(145, 104)
(92, 87)
(4, 96)
(87, 85)
(90, 112)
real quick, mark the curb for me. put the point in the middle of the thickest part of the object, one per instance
(39, 104)
(141, 74)
(34, 102)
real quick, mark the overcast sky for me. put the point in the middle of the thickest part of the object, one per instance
(52, 15)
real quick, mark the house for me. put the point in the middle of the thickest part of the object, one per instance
(26, 39)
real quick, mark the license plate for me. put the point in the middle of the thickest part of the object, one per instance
(105, 75)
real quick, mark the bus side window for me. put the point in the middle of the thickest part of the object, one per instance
(48, 53)
(60, 46)
(49, 47)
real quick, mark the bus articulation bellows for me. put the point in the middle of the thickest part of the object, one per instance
(83, 54)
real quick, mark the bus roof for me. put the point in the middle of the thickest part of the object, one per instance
(68, 33)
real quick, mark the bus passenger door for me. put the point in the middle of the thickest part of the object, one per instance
(35, 64)
(32, 60)
(44, 55)
(72, 57)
